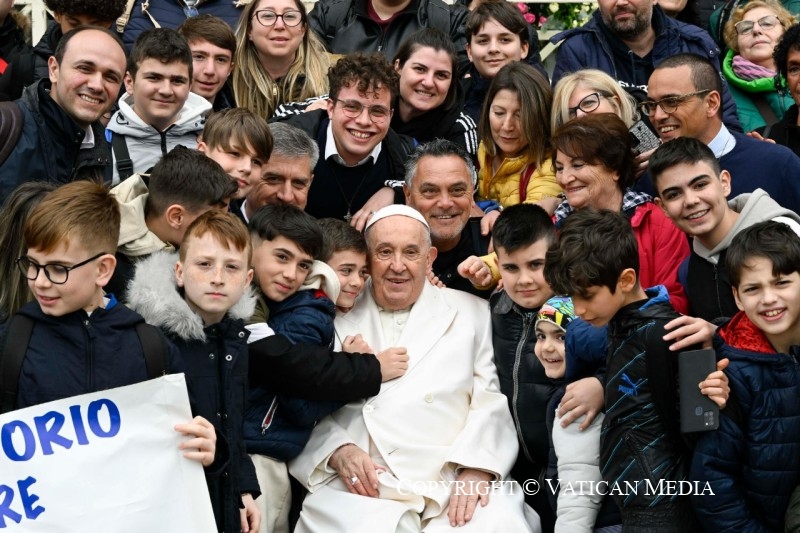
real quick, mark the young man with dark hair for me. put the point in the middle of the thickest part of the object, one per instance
(693, 191)
(182, 186)
(158, 112)
(213, 46)
(362, 158)
(596, 263)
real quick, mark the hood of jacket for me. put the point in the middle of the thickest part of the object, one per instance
(753, 208)
(153, 293)
(190, 120)
(47, 44)
(135, 238)
(631, 315)
(322, 277)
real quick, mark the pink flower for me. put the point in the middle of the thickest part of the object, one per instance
(542, 20)
(522, 6)
(530, 18)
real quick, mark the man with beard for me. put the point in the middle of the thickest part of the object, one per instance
(627, 39)
(440, 184)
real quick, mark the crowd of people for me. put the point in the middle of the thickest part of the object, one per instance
(415, 281)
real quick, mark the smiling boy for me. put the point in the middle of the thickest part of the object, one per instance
(158, 112)
(213, 46)
(346, 254)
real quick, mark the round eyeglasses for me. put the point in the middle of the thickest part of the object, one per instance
(745, 27)
(267, 17)
(669, 104)
(353, 109)
(588, 103)
(55, 272)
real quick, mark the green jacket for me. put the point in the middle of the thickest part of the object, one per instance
(745, 92)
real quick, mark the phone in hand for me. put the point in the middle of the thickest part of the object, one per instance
(698, 412)
(643, 138)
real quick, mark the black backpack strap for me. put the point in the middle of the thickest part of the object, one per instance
(154, 348)
(122, 156)
(15, 346)
(11, 122)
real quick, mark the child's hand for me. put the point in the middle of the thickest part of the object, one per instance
(716, 386)
(356, 344)
(688, 331)
(203, 445)
(583, 397)
(394, 363)
(434, 279)
(250, 515)
(476, 271)
(488, 220)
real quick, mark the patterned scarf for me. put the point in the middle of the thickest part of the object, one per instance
(749, 71)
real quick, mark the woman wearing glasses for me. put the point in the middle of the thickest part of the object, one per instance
(595, 166)
(514, 154)
(277, 59)
(752, 33)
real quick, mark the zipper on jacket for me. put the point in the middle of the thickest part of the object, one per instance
(87, 323)
(716, 290)
(527, 321)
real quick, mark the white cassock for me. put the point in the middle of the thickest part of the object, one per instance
(445, 414)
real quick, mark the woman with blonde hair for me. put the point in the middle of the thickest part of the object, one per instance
(752, 33)
(277, 58)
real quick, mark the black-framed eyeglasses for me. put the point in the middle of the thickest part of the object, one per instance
(669, 104)
(267, 17)
(353, 109)
(745, 27)
(588, 103)
(55, 272)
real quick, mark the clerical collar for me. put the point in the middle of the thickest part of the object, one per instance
(88, 139)
(723, 143)
(330, 150)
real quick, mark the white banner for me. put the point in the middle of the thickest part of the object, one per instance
(103, 462)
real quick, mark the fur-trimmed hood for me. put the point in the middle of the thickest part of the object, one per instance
(153, 293)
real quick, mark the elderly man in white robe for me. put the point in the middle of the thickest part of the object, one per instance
(432, 450)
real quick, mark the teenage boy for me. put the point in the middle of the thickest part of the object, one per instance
(751, 464)
(346, 253)
(199, 299)
(213, 46)
(183, 185)
(82, 340)
(241, 142)
(596, 262)
(692, 190)
(158, 112)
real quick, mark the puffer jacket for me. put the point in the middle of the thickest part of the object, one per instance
(586, 47)
(641, 439)
(504, 185)
(49, 147)
(147, 145)
(751, 465)
(746, 91)
(216, 359)
(172, 13)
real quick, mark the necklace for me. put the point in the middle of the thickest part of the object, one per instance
(349, 202)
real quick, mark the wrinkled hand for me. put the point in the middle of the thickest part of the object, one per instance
(759, 137)
(476, 271)
(488, 220)
(203, 445)
(351, 462)
(715, 386)
(642, 161)
(356, 344)
(434, 279)
(476, 487)
(394, 363)
(582, 397)
(688, 331)
(250, 515)
(382, 198)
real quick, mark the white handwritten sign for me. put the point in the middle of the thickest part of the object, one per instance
(106, 461)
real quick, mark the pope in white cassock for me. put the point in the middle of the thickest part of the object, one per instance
(390, 463)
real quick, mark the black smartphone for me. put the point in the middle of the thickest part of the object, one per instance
(643, 138)
(698, 412)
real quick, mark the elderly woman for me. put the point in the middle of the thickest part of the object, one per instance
(595, 167)
(752, 33)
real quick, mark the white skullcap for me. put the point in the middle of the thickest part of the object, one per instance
(396, 210)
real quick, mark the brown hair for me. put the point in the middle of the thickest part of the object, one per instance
(240, 128)
(228, 230)
(368, 72)
(209, 28)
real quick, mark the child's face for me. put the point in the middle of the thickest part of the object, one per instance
(522, 272)
(771, 302)
(241, 164)
(281, 267)
(213, 277)
(549, 348)
(159, 91)
(84, 284)
(598, 306)
(351, 268)
(211, 67)
(694, 197)
(493, 47)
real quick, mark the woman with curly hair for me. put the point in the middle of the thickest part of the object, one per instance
(787, 59)
(277, 58)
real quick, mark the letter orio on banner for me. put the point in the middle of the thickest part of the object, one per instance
(106, 461)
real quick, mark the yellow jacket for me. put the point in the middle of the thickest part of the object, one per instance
(503, 187)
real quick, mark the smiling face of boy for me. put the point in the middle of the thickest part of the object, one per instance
(549, 348)
(522, 272)
(351, 269)
(281, 266)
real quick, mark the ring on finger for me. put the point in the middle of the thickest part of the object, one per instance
(354, 480)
